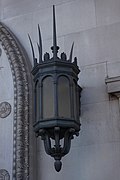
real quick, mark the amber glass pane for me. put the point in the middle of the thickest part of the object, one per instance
(63, 97)
(48, 97)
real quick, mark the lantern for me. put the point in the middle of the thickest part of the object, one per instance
(57, 99)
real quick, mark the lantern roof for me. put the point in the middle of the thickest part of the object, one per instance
(46, 59)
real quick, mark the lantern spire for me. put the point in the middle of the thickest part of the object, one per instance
(54, 47)
(71, 52)
(40, 45)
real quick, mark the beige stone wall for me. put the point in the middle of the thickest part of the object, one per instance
(94, 26)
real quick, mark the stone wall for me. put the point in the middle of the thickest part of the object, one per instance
(6, 114)
(94, 26)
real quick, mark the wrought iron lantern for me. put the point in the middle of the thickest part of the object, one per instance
(57, 99)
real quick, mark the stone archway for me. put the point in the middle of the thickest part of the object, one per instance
(22, 103)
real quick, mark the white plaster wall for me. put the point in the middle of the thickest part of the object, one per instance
(6, 124)
(94, 26)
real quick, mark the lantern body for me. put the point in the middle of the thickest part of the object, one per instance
(57, 105)
(57, 96)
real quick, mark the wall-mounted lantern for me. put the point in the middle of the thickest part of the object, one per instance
(57, 99)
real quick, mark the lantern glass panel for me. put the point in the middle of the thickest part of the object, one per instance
(75, 98)
(48, 97)
(78, 102)
(36, 101)
(64, 97)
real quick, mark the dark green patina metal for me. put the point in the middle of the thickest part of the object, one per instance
(57, 127)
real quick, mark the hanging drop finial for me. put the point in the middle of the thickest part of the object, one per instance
(54, 47)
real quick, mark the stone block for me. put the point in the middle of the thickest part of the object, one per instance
(87, 162)
(14, 8)
(107, 11)
(92, 81)
(75, 16)
(113, 78)
(96, 45)
(113, 85)
(99, 124)
(67, 7)
(67, 18)
(113, 69)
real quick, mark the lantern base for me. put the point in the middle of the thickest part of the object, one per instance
(56, 122)
(57, 151)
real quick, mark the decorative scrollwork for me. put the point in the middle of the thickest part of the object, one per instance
(5, 109)
(4, 175)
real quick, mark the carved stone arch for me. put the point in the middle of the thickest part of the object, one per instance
(22, 107)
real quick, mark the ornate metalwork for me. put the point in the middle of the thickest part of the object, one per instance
(20, 73)
(57, 127)
(5, 109)
(4, 174)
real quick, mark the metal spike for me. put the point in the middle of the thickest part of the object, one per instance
(54, 34)
(40, 44)
(71, 52)
(40, 55)
(34, 59)
(31, 46)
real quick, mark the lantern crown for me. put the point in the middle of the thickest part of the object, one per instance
(46, 57)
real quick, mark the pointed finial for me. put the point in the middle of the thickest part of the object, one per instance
(63, 56)
(40, 45)
(46, 57)
(75, 61)
(54, 47)
(33, 53)
(71, 52)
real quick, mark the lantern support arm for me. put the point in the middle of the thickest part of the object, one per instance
(57, 139)
(67, 141)
(47, 143)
